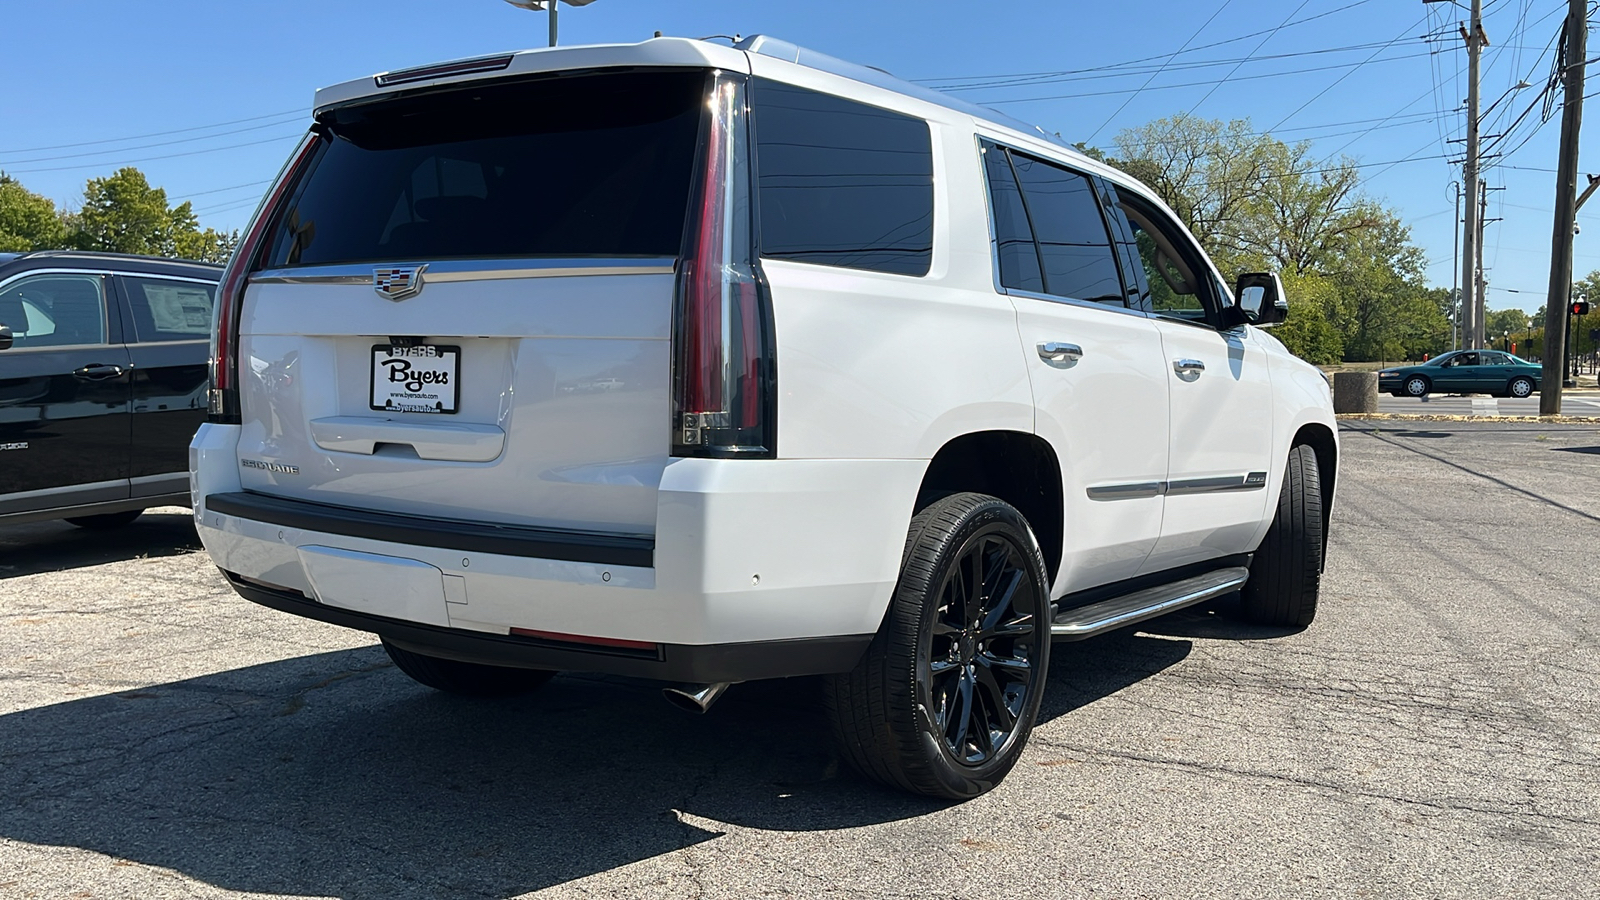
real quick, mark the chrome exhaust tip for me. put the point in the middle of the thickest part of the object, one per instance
(695, 698)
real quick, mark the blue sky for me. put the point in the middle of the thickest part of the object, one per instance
(153, 84)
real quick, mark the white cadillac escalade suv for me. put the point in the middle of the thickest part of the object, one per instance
(708, 364)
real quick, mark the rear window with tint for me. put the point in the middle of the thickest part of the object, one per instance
(594, 165)
(842, 183)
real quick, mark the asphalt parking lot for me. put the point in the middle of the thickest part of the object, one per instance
(1436, 733)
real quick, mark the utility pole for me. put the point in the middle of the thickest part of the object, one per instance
(1455, 288)
(1472, 304)
(1573, 53)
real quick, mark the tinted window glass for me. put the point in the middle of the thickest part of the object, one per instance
(842, 183)
(56, 310)
(1170, 264)
(169, 310)
(1018, 257)
(1074, 246)
(588, 166)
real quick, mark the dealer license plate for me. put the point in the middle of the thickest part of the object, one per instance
(419, 379)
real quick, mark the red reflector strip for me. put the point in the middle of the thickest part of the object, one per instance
(584, 639)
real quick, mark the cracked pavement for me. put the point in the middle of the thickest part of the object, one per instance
(1436, 733)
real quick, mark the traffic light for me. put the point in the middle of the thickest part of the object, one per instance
(1579, 308)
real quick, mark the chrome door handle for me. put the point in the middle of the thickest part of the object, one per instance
(98, 372)
(1059, 354)
(1188, 366)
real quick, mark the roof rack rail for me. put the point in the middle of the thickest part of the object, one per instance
(777, 48)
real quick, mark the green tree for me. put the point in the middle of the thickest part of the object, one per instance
(1256, 202)
(122, 213)
(1308, 332)
(28, 221)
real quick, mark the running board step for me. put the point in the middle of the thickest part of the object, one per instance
(1119, 612)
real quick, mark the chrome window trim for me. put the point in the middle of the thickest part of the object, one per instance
(56, 348)
(154, 277)
(1138, 490)
(1071, 301)
(450, 270)
(28, 273)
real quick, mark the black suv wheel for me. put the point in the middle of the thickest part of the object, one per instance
(1286, 573)
(944, 699)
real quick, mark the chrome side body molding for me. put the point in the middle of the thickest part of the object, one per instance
(1250, 481)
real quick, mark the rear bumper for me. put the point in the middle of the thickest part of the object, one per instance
(667, 662)
(756, 568)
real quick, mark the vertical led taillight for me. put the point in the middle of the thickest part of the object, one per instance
(724, 394)
(223, 399)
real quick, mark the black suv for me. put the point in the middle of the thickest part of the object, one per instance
(102, 383)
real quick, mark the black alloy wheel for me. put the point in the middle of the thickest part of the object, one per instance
(982, 648)
(942, 702)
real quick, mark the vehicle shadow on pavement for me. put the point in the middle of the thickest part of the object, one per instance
(56, 545)
(1218, 619)
(334, 775)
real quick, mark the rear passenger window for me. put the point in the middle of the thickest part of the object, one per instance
(1050, 236)
(1014, 247)
(842, 183)
(169, 310)
(55, 310)
(1074, 246)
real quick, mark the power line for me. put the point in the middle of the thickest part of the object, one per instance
(1156, 73)
(1235, 69)
(1129, 69)
(135, 137)
(1161, 56)
(1167, 87)
(187, 140)
(1341, 78)
(125, 162)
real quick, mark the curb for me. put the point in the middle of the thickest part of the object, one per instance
(1428, 417)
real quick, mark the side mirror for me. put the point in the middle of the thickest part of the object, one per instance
(6, 338)
(1260, 298)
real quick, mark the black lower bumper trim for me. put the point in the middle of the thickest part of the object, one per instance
(696, 663)
(450, 534)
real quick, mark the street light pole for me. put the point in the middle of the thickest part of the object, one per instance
(539, 5)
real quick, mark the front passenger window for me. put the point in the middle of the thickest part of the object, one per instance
(55, 311)
(1181, 286)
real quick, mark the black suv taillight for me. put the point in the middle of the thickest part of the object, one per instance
(223, 399)
(723, 362)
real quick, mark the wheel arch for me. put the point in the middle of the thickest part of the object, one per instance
(1325, 446)
(1017, 467)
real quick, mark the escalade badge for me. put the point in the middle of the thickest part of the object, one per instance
(397, 282)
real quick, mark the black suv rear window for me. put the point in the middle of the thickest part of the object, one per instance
(592, 165)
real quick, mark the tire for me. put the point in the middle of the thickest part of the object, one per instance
(1286, 572)
(464, 678)
(108, 520)
(897, 720)
(1417, 386)
(1520, 388)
